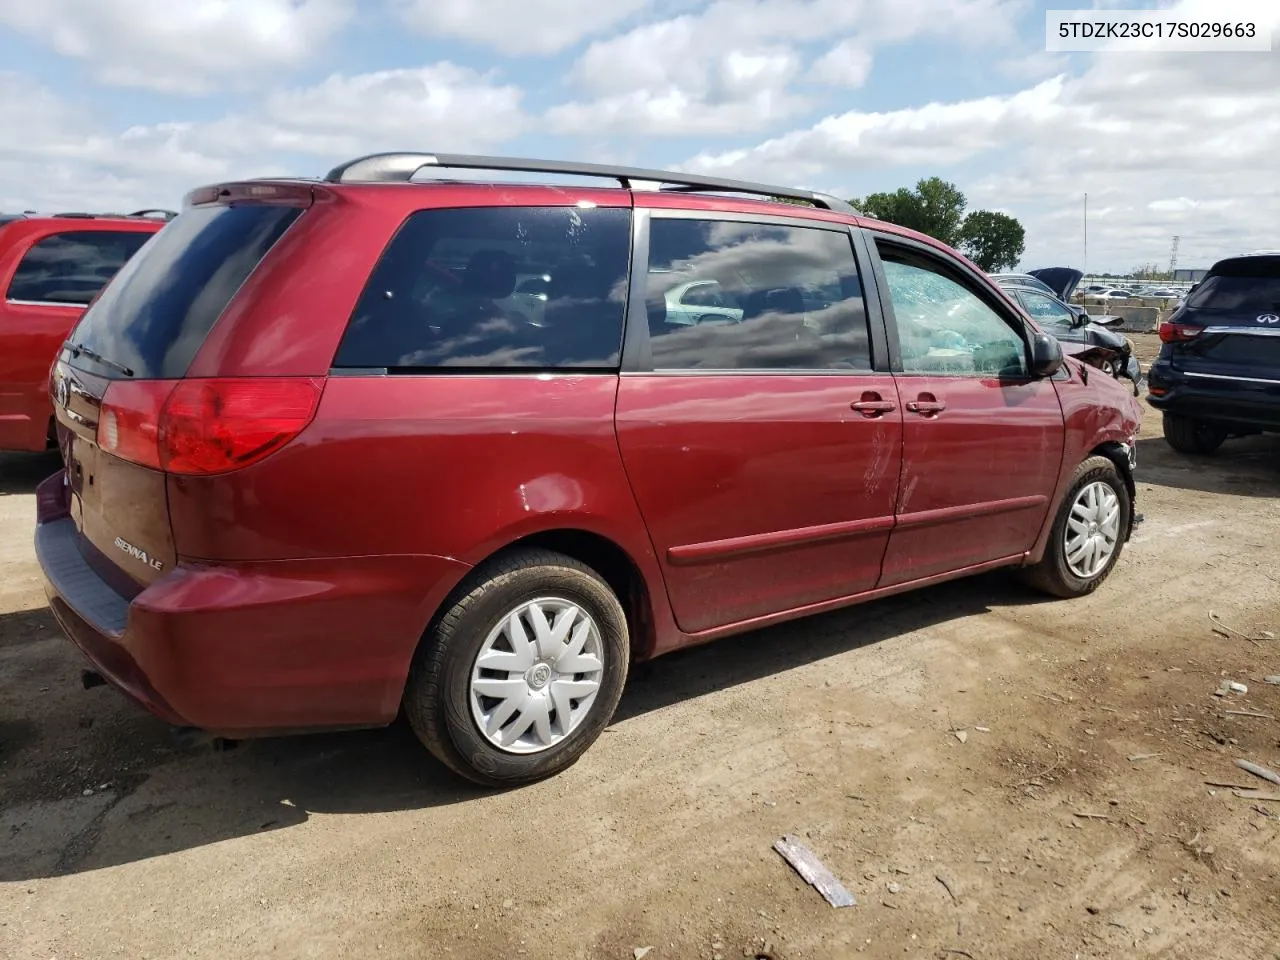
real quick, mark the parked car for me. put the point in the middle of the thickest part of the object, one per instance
(1083, 336)
(313, 476)
(50, 268)
(699, 301)
(1218, 372)
(1022, 280)
(529, 298)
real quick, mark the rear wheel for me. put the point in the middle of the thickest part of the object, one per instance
(523, 672)
(1088, 533)
(1187, 435)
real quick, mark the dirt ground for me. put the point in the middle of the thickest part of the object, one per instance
(1073, 815)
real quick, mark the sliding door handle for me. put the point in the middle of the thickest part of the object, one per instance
(873, 408)
(926, 407)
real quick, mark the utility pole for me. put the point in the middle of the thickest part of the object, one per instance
(1173, 257)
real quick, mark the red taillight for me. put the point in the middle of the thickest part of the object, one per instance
(129, 421)
(204, 426)
(1178, 332)
(212, 426)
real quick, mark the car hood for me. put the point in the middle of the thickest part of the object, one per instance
(1063, 280)
(1101, 336)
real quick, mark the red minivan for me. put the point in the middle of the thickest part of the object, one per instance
(323, 460)
(50, 268)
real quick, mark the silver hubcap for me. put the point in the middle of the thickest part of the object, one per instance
(1093, 530)
(536, 676)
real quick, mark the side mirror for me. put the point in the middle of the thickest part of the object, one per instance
(1046, 355)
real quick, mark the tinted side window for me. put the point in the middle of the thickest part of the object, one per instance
(72, 267)
(442, 294)
(790, 298)
(943, 326)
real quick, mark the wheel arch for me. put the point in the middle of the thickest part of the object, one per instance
(618, 568)
(1115, 451)
(603, 555)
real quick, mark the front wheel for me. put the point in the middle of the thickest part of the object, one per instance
(522, 673)
(1192, 436)
(1088, 532)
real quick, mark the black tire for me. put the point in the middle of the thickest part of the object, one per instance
(437, 700)
(1052, 575)
(1188, 435)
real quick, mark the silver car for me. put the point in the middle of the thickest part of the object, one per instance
(700, 301)
(529, 298)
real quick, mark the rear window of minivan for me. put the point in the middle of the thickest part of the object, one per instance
(155, 315)
(444, 293)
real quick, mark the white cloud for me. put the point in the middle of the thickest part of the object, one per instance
(1177, 205)
(1163, 144)
(418, 108)
(67, 158)
(730, 66)
(180, 46)
(741, 90)
(847, 64)
(936, 133)
(517, 27)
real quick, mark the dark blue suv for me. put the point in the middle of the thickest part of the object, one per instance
(1218, 373)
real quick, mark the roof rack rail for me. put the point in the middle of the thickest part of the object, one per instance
(165, 214)
(401, 168)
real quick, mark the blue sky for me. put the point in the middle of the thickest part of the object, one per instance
(132, 102)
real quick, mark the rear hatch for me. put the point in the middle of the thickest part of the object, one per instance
(1229, 328)
(123, 408)
(1061, 280)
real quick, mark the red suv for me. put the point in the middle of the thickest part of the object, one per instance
(322, 460)
(50, 267)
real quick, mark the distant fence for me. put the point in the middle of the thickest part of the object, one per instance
(1180, 285)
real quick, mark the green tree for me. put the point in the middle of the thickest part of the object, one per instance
(994, 241)
(935, 207)
(1149, 271)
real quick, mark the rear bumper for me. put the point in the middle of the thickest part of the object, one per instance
(1239, 403)
(256, 648)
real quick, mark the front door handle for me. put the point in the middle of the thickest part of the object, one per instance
(873, 405)
(927, 405)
